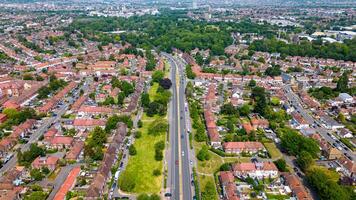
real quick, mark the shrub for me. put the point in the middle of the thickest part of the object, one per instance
(132, 150)
(156, 172)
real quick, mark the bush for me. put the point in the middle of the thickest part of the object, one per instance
(157, 172)
(225, 167)
(132, 150)
(281, 165)
(160, 145)
(158, 155)
(139, 124)
(165, 83)
(203, 154)
(126, 183)
(138, 134)
(36, 174)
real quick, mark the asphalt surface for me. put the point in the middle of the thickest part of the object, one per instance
(41, 130)
(296, 103)
(179, 163)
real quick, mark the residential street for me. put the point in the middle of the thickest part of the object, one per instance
(42, 129)
(296, 102)
(179, 163)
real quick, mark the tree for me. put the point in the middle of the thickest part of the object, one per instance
(324, 182)
(166, 83)
(244, 110)
(281, 165)
(230, 125)
(36, 174)
(225, 167)
(126, 87)
(145, 99)
(157, 172)
(342, 83)
(126, 182)
(199, 59)
(109, 101)
(228, 109)
(305, 160)
(200, 135)
(203, 153)
(139, 123)
(189, 72)
(36, 195)
(252, 83)
(295, 143)
(94, 144)
(132, 150)
(258, 94)
(157, 76)
(27, 157)
(120, 98)
(275, 70)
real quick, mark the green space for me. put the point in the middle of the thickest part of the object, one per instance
(277, 197)
(273, 150)
(143, 174)
(141, 166)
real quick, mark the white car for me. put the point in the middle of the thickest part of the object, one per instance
(182, 153)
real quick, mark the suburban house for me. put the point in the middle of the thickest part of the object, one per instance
(228, 186)
(6, 145)
(239, 147)
(330, 123)
(60, 142)
(296, 186)
(257, 170)
(83, 124)
(345, 133)
(259, 123)
(48, 161)
(23, 129)
(298, 122)
(74, 153)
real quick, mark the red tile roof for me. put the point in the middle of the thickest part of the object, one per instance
(68, 184)
(243, 145)
(65, 140)
(226, 177)
(89, 122)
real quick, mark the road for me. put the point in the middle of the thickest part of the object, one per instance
(179, 169)
(297, 104)
(42, 129)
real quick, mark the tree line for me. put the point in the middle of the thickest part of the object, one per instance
(338, 51)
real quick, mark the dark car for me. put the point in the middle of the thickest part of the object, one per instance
(299, 174)
(121, 164)
(168, 195)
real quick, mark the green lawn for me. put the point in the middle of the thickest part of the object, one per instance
(277, 196)
(273, 150)
(153, 91)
